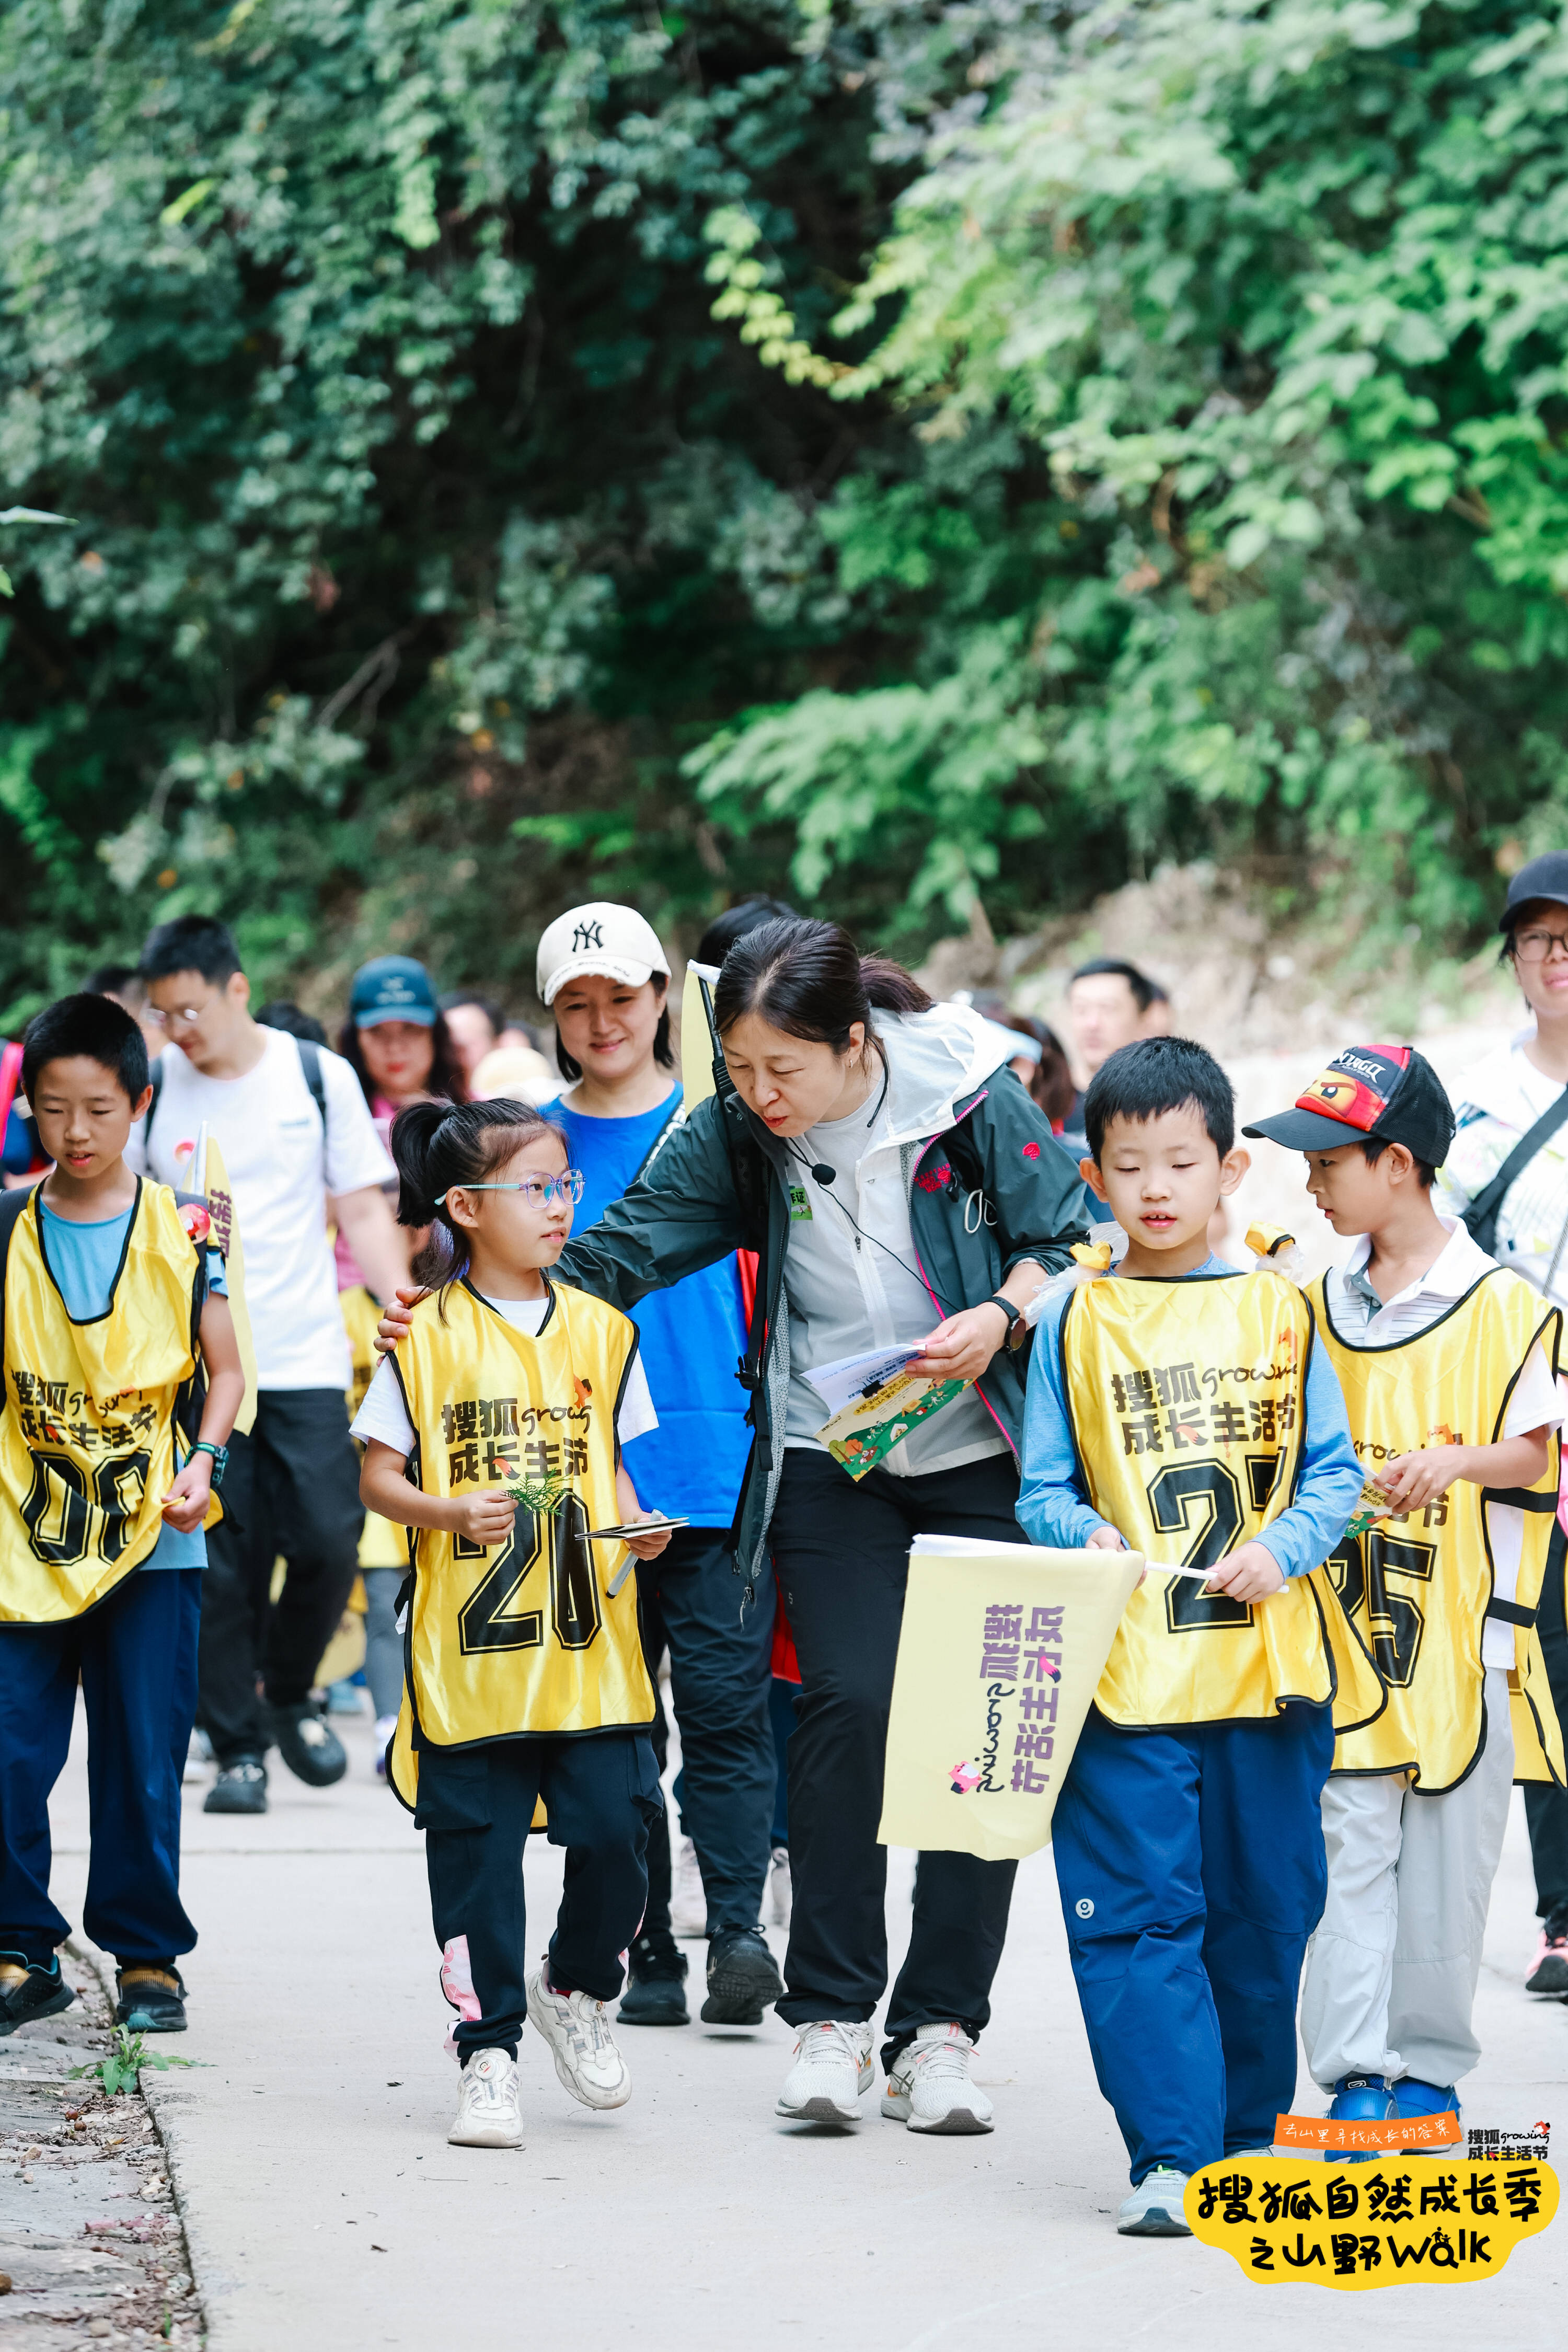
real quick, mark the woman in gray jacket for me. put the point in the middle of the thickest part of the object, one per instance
(900, 1187)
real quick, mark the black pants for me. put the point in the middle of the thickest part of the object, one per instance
(291, 1486)
(841, 1550)
(720, 1675)
(1545, 1805)
(600, 1794)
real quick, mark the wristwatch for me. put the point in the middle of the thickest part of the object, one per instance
(1017, 1330)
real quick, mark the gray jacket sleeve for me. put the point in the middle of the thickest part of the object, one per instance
(680, 1214)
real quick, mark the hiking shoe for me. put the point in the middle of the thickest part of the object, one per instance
(1361, 2099)
(28, 1990)
(578, 2031)
(687, 1898)
(657, 1992)
(779, 1887)
(742, 1977)
(1410, 2097)
(488, 2111)
(1154, 2208)
(240, 1787)
(832, 2068)
(928, 2085)
(310, 1747)
(1549, 1967)
(149, 2000)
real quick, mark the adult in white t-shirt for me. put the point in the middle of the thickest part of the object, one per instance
(1497, 1104)
(292, 1485)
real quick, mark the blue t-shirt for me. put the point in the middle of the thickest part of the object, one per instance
(84, 1260)
(693, 1337)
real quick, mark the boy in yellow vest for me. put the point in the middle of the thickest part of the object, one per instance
(1179, 1407)
(1448, 1365)
(112, 1303)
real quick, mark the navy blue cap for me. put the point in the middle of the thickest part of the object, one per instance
(1544, 877)
(393, 988)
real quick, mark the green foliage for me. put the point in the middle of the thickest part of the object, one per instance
(887, 450)
(128, 2054)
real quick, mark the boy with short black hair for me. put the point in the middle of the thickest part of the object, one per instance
(1436, 1347)
(113, 1300)
(1179, 1407)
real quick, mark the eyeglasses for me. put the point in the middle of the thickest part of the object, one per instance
(535, 1190)
(1534, 947)
(188, 1014)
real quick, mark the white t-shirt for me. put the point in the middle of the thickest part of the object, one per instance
(281, 1168)
(1497, 1104)
(384, 1414)
(1364, 1322)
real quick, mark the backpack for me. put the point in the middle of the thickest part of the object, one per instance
(310, 1070)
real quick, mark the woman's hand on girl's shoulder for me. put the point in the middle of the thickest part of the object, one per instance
(393, 1325)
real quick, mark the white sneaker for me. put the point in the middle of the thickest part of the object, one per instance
(385, 1725)
(1154, 2208)
(779, 1882)
(688, 1899)
(832, 2067)
(488, 2111)
(578, 2031)
(929, 2087)
(197, 1755)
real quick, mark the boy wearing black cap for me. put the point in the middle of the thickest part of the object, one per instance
(1448, 1366)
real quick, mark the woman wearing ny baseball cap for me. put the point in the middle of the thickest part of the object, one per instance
(604, 976)
(1507, 1175)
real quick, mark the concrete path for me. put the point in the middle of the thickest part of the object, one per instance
(326, 2213)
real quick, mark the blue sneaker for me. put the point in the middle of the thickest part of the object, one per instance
(1362, 2099)
(1409, 2097)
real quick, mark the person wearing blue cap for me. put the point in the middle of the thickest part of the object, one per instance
(397, 1040)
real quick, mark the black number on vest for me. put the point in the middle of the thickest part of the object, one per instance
(488, 1619)
(59, 1518)
(1394, 1622)
(1175, 1495)
(574, 1587)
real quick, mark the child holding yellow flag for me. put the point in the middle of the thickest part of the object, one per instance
(1448, 1364)
(1179, 1407)
(114, 1304)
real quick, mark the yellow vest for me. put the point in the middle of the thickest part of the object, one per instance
(1186, 1404)
(524, 1638)
(87, 1446)
(381, 1545)
(1419, 1586)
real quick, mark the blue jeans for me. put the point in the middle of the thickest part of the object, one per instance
(136, 1655)
(1192, 1872)
(720, 1674)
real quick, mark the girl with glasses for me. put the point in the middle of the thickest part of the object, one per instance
(497, 1438)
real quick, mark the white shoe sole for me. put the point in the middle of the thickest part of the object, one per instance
(899, 2109)
(819, 2110)
(586, 2095)
(484, 2136)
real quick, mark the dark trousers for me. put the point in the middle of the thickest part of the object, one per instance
(600, 1794)
(1192, 1872)
(291, 1486)
(1545, 1805)
(136, 1656)
(719, 1675)
(841, 1550)
(653, 1952)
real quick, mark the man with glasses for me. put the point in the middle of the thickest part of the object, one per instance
(292, 1485)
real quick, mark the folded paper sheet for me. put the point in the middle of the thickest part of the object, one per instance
(1001, 1650)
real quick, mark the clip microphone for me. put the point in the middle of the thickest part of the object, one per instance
(821, 1173)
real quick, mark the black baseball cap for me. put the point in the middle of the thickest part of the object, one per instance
(1544, 877)
(1389, 1092)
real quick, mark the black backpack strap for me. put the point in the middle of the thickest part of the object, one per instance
(1481, 1218)
(155, 1080)
(310, 1071)
(12, 1204)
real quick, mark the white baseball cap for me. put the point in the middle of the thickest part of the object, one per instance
(600, 936)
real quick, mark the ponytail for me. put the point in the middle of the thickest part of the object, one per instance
(810, 979)
(437, 1146)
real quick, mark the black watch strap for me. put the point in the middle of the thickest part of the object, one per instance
(1014, 1315)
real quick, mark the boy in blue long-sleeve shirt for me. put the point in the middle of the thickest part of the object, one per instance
(1179, 1407)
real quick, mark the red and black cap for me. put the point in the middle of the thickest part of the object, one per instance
(1390, 1092)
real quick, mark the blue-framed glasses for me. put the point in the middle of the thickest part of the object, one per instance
(537, 1191)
